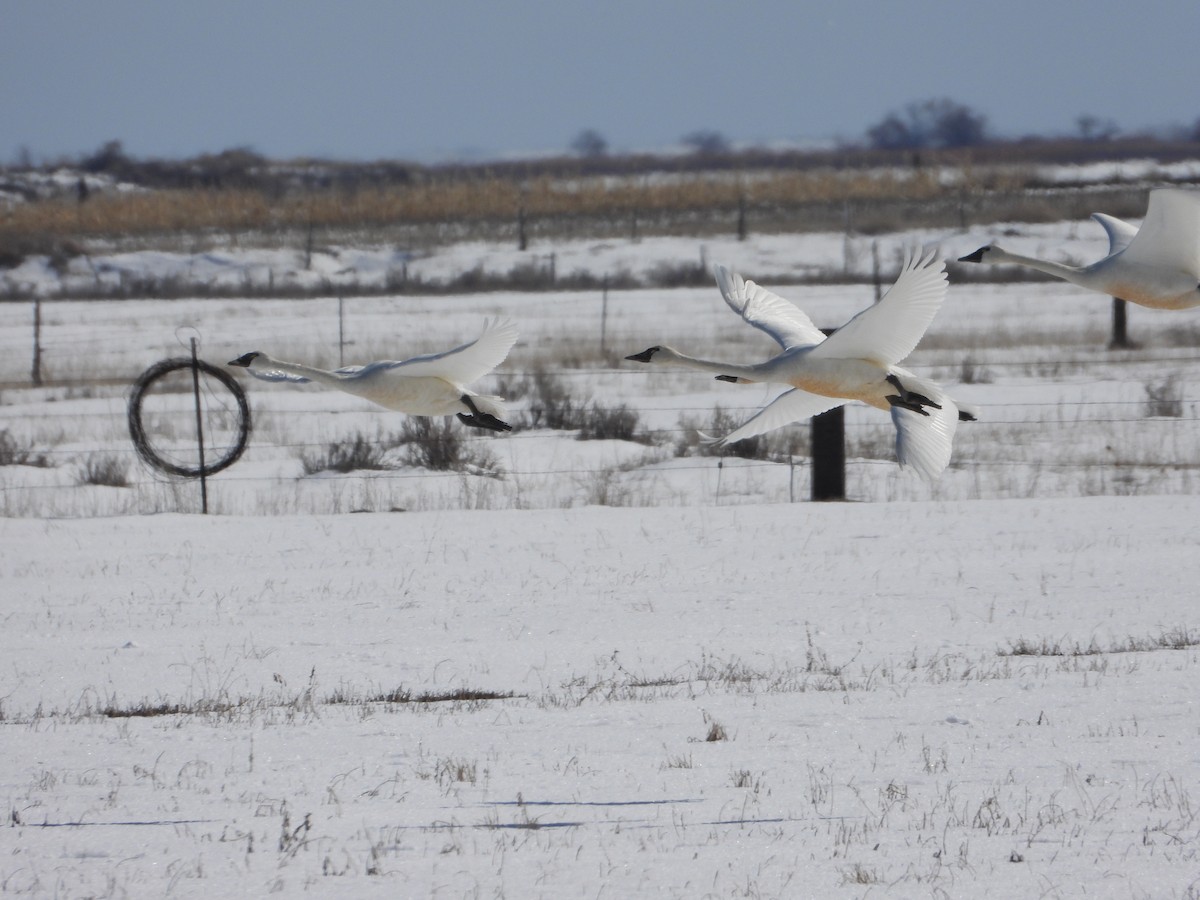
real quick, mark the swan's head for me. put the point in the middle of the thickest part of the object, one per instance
(980, 255)
(648, 356)
(245, 359)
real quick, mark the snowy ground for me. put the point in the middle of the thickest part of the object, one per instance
(609, 669)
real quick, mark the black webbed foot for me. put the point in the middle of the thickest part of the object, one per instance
(909, 399)
(480, 419)
(484, 420)
(907, 404)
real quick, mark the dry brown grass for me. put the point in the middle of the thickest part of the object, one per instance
(243, 210)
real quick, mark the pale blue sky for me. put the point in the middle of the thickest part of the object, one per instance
(441, 79)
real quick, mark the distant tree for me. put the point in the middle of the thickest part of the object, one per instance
(707, 143)
(1093, 128)
(1194, 134)
(955, 125)
(929, 123)
(891, 134)
(590, 144)
(109, 158)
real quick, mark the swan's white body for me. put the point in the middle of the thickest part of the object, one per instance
(433, 385)
(1156, 265)
(857, 362)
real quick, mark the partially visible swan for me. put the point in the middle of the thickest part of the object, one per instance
(433, 385)
(856, 362)
(1157, 265)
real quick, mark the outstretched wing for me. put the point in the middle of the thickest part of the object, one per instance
(277, 375)
(790, 406)
(888, 331)
(766, 311)
(464, 364)
(1119, 232)
(1170, 233)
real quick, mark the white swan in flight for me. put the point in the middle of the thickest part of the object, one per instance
(433, 385)
(857, 362)
(1157, 265)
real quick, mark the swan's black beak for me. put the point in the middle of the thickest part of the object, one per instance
(644, 356)
(244, 360)
(976, 257)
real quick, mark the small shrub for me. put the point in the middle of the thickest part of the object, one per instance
(605, 489)
(436, 445)
(1165, 398)
(972, 373)
(108, 471)
(13, 454)
(617, 423)
(716, 732)
(450, 771)
(439, 445)
(551, 403)
(355, 454)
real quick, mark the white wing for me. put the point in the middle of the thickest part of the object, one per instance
(923, 443)
(462, 365)
(790, 406)
(766, 311)
(1170, 233)
(1119, 232)
(888, 331)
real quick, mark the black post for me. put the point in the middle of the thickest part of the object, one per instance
(199, 429)
(36, 374)
(1120, 335)
(341, 334)
(875, 270)
(829, 453)
(604, 320)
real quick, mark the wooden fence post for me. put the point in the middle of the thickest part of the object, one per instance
(36, 374)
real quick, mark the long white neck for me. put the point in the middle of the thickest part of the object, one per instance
(667, 356)
(1073, 274)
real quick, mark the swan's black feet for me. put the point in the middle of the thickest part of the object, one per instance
(907, 404)
(964, 416)
(910, 399)
(479, 419)
(484, 420)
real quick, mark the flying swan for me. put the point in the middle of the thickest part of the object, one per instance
(433, 385)
(1157, 265)
(857, 362)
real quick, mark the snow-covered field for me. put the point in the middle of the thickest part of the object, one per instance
(606, 669)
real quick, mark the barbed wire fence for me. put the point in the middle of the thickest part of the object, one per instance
(1009, 422)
